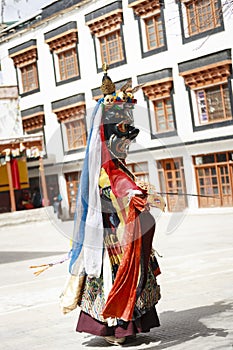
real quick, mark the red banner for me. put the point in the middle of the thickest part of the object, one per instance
(15, 174)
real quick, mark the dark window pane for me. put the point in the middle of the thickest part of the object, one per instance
(222, 157)
(209, 158)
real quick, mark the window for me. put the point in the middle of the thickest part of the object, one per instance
(200, 18)
(68, 64)
(158, 90)
(209, 87)
(214, 177)
(164, 115)
(111, 48)
(172, 180)
(63, 42)
(76, 134)
(33, 121)
(105, 25)
(29, 77)
(25, 61)
(140, 170)
(202, 15)
(154, 32)
(70, 114)
(149, 15)
(214, 104)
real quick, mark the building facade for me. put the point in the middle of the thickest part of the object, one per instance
(180, 55)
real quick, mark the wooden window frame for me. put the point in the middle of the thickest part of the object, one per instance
(68, 116)
(59, 46)
(197, 15)
(71, 127)
(157, 91)
(29, 83)
(175, 168)
(145, 10)
(165, 115)
(209, 179)
(199, 80)
(23, 61)
(159, 39)
(102, 27)
(106, 44)
(62, 59)
(205, 104)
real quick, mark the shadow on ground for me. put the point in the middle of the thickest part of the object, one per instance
(8, 257)
(177, 327)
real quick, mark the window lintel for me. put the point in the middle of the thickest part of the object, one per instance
(69, 113)
(106, 23)
(65, 40)
(61, 35)
(18, 53)
(145, 8)
(25, 57)
(104, 17)
(33, 122)
(158, 89)
(207, 75)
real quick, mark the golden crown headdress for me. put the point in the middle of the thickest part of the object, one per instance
(107, 87)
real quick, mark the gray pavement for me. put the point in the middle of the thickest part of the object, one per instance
(196, 309)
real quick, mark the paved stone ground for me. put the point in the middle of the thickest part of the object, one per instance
(196, 309)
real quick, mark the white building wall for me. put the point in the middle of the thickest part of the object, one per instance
(10, 119)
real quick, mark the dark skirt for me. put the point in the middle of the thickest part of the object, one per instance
(143, 324)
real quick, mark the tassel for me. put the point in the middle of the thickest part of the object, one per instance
(47, 266)
(37, 273)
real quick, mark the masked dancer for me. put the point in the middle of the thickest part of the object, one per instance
(113, 269)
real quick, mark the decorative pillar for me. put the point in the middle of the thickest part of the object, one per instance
(43, 183)
(11, 188)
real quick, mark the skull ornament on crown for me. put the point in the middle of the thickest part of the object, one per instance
(118, 120)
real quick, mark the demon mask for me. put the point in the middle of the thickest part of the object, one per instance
(119, 131)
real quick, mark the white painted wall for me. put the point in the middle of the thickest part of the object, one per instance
(10, 119)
